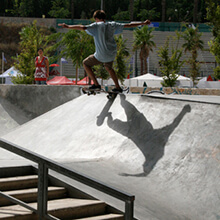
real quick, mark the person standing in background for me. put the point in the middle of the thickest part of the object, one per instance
(42, 68)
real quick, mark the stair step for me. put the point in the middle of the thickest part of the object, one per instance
(62, 208)
(30, 195)
(19, 182)
(102, 217)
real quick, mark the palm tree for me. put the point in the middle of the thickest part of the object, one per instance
(143, 42)
(79, 45)
(76, 45)
(192, 44)
(121, 58)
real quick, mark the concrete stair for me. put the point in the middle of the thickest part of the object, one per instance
(30, 195)
(60, 203)
(102, 217)
(19, 182)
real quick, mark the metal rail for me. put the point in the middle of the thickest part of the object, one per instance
(44, 164)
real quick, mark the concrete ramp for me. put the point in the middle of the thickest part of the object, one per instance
(166, 152)
(11, 116)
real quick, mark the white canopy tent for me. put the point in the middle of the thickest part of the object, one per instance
(206, 83)
(155, 81)
(8, 74)
(183, 81)
(149, 79)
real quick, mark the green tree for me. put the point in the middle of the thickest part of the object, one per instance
(14, 10)
(121, 58)
(143, 41)
(76, 45)
(26, 8)
(100, 72)
(213, 15)
(192, 44)
(148, 14)
(31, 39)
(59, 9)
(36, 8)
(170, 62)
(121, 15)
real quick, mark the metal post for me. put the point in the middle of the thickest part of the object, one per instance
(2, 62)
(129, 210)
(61, 67)
(136, 68)
(42, 190)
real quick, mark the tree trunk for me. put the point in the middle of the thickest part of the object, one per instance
(142, 65)
(77, 69)
(145, 65)
(131, 10)
(72, 9)
(195, 11)
(163, 10)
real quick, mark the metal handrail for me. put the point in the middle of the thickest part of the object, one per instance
(44, 164)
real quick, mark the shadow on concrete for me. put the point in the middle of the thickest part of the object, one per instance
(104, 112)
(150, 141)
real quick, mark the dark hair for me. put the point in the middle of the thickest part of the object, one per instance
(100, 14)
(40, 49)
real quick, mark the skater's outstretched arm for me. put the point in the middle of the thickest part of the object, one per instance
(135, 24)
(75, 27)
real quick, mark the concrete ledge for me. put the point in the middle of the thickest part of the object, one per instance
(175, 90)
(48, 22)
(36, 99)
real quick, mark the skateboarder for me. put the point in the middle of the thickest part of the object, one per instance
(106, 48)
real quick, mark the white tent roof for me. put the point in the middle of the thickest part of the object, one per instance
(155, 81)
(147, 76)
(180, 77)
(10, 72)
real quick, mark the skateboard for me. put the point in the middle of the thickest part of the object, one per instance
(110, 94)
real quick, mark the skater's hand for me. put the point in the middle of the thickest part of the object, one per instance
(187, 108)
(147, 22)
(63, 25)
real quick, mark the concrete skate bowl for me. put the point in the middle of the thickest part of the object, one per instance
(165, 152)
(21, 103)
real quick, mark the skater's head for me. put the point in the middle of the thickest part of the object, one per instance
(99, 14)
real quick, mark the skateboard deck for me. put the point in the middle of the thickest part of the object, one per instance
(110, 94)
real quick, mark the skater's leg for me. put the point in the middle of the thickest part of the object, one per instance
(88, 63)
(111, 71)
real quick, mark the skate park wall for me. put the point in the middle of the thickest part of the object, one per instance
(37, 100)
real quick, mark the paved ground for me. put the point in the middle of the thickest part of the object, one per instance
(163, 149)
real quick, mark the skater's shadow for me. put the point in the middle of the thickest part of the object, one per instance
(150, 141)
(104, 113)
